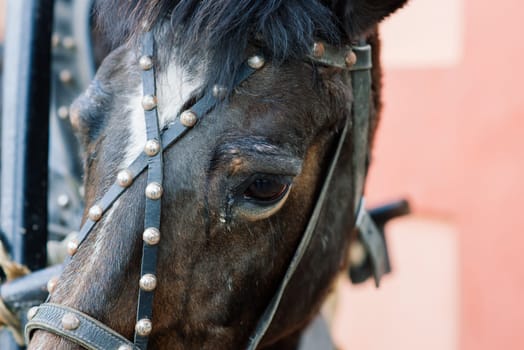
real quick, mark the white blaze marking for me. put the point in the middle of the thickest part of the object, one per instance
(174, 88)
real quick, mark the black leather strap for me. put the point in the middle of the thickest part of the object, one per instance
(90, 333)
(153, 206)
(361, 81)
(369, 234)
(269, 313)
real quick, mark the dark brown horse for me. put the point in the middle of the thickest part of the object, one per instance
(239, 188)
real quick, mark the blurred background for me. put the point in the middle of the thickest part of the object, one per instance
(451, 140)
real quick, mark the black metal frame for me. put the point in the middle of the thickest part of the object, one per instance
(25, 125)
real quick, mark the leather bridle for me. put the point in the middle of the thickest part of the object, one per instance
(92, 334)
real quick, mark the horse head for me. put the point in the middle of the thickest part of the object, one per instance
(239, 187)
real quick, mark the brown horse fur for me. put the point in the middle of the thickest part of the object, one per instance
(219, 268)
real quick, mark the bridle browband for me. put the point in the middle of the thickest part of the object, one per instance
(91, 333)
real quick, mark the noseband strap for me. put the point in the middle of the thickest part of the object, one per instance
(77, 327)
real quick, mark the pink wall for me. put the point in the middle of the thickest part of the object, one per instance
(452, 139)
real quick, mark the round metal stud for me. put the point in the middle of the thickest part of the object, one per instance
(318, 49)
(219, 91)
(66, 76)
(148, 282)
(256, 62)
(95, 212)
(144, 327)
(188, 118)
(63, 201)
(72, 247)
(152, 147)
(124, 178)
(154, 191)
(75, 119)
(145, 62)
(69, 42)
(351, 59)
(149, 102)
(51, 284)
(151, 236)
(125, 347)
(31, 313)
(63, 112)
(70, 322)
(357, 253)
(55, 40)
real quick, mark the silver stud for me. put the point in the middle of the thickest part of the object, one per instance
(69, 42)
(55, 40)
(51, 284)
(188, 118)
(75, 118)
(149, 102)
(31, 313)
(219, 91)
(72, 247)
(125, 347)
(124, 178)
(63, 112)
(152, 147)
(144, 327)
(145, 62)
(65, 76)
(256, 62)
(151, 236)
(148, 282)
(70, 322)
(95, 212)
(351, 59)
(63, 201)
(318, 49)
(154, 191)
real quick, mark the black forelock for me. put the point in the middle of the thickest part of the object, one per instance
(221, 30)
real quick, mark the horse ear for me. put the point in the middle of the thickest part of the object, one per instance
(358, 16)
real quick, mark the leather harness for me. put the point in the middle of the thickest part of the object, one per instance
(92, 334)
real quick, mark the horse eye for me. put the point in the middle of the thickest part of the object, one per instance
(266, 190)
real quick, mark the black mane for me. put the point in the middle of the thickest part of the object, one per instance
(222, 29)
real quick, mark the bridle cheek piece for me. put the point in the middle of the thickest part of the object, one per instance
(90, 333)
